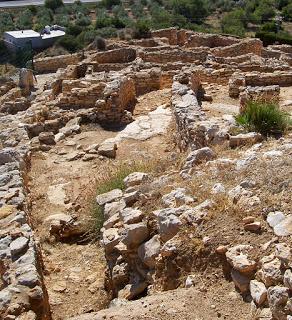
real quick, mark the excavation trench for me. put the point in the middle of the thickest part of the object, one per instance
(61, 182)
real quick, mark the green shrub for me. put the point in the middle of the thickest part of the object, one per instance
(142, 29)
(110, 3)
(100, 43)
(194, 10)
(44, 17)
(73, 30)
(70, 43)
(234, 22)
(269, 38)
(53, 4)
(287, 12)
(6, 22)
(264, 117)
(25, 20)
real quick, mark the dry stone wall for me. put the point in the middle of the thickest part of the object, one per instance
(253, 46)
(52, 64)
(22, 292)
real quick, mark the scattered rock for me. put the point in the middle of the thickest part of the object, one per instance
(108, 149)
(244, 139)
(238, 258)
(258, 292)
(111, 196)
(136, 178)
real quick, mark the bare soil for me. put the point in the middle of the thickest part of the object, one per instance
(74, 271)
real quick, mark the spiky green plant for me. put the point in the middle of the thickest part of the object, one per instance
(265, 118)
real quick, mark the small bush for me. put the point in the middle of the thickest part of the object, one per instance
(142, 29)
(269, 38)
(53, 4)
(100, 43)
(265, 118)
(70, 43)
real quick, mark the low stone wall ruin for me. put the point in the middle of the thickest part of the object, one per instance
(22, 289)
(253, 46)
(52, 64)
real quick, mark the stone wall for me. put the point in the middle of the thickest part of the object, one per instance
(253, 46)
(193, 39)
(77, 94)
(256, 79)
(283, 48)
(187, 112)
(121, 55)
(22, 292)
(210, 40)
(173, 55)
(52, 64)
(147, 80)
(170, 34)
(210, 75)
(117, 104)
(261, 94)
(6, 84)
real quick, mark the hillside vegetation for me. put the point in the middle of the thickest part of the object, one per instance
(134, 19)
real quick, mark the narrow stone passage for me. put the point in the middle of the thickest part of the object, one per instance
(61, 184)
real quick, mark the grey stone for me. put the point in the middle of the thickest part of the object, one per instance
(198, 156)
(129, 215)
(284, 228)
(110, 238)
(270, 272)
(288, 279)
(113, 208)
(244, 139)
(135, 234)
(47, 138)
(8, 155)
(136, 178)
(241, 281)
(275, 218)
(18, 245)
(277, 298)
(237, 256)
(5, 242)
(113, 195)
(177, 197)
(258, 292)
(168, 224)
(149, 250)
(108, 149)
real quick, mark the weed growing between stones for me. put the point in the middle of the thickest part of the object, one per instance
(114, 179)
(265, 118)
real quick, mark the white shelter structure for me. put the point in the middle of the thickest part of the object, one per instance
(15, 40)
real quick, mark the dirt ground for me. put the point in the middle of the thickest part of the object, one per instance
(74, 272)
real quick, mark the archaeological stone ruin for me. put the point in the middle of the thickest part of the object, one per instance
(147, 225)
